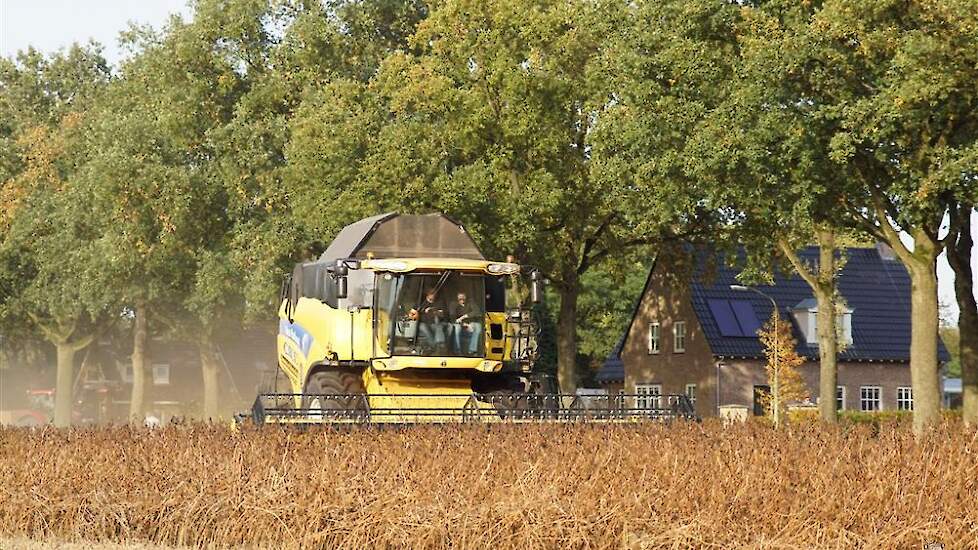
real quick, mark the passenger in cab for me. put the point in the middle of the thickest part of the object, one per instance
(467, 319)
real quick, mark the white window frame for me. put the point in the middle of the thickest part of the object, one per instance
(679, 337)
(904, 398)
(840, 400)
(811, 335)
(655, 337)
(808, 321)
(691, 393)
(159, 379)
(647, 396)
(845, 324)
(863, 399)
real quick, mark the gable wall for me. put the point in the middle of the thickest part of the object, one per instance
(668, 303)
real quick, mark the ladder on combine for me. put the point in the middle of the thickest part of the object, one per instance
(279, 408)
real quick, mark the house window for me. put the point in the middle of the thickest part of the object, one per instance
(679, 336)
(905, 398)
(840, 398)
(845, 327)
(161, 374)
(127, 374)
(654, 337)
(647, 396)
(806, 315)
(691, 393)
(869, 398)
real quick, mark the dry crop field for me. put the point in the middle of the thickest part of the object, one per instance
(507, 486)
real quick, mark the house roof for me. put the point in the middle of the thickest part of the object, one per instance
(807, 303)
(613, 368)
(876, 290)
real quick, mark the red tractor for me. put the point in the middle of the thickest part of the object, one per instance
(41, 407)
(92, 403)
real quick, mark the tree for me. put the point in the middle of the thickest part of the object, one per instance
(39, 91)
(763, 157)
(50, 253)
(54, 247)
(503, 115)
(783, 375)
(320, 43)
(822, 279)
(959, 253)
(149, 208)
(888, 89)
(159, 181)
(902, 93)
(607, 302)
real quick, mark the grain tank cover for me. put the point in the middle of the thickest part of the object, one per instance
(394, 235)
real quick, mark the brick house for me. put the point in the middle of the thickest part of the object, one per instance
(698, 337)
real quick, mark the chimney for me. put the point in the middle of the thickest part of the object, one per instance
(885, 251)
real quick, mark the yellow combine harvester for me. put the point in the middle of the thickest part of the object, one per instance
(402, 320)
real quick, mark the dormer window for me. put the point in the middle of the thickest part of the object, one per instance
(806, 315)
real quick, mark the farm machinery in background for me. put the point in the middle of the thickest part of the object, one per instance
(402, 320)
(92, 406)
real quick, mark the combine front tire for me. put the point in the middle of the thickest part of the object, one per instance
(344, 395)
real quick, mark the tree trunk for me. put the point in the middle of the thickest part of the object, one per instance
(924, 374)
(137, 397)
(968, 354)
(823, 285)
(63, 394)
(828, 342)
(567, 338)
(959, 256)
(210, 370)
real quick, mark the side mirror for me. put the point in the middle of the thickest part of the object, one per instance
(536, 287)
(340, 272)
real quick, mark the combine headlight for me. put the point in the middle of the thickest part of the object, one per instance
(503, 269)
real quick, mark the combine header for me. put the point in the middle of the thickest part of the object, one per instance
(474, 407)
(402, 320)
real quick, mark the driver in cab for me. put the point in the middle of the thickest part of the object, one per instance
(430, 315)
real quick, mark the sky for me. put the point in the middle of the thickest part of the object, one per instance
(52, 24)
(49, 25)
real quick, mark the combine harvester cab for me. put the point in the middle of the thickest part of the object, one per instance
(402, 320)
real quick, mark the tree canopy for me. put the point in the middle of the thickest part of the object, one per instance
(582, 138)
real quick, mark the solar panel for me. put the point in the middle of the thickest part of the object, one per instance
(724, 317)
(744, 312)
